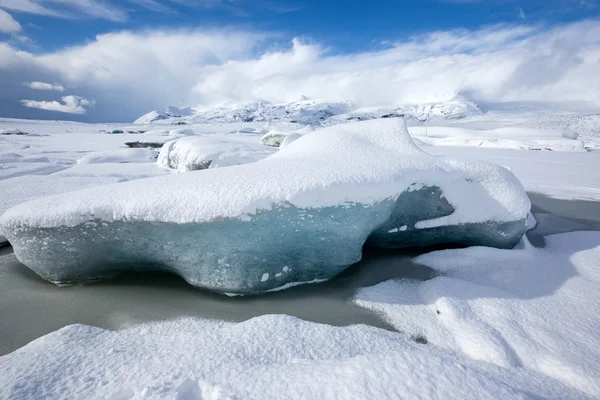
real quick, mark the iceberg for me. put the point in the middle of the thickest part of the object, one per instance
(201, 152)
(300, 215)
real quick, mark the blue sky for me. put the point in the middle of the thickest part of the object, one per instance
(114, 59)
(345, 25)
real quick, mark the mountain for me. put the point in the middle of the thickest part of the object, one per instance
(168, 113)
(309, 112)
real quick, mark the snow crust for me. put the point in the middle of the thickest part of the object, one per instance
(524, 308)
(269, 357)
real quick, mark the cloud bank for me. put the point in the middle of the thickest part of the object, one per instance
(44, 86)
(130, 73)
(70, 105)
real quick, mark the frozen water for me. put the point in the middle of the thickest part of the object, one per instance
(301, 215)
(119, 156)
(402, 228)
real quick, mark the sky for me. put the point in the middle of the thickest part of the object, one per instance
(114, 60)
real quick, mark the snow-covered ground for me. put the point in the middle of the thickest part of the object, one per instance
(515, 323)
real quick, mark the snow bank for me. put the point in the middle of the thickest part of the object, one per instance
(270, 357)
(523, 308)
(202, 152)
(289, 139)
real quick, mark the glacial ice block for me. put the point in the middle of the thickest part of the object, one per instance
(194, 153)
(300, 215)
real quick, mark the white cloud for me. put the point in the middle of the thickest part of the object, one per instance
(8, 24)
(67, 8)
(130, 73)
(71, 105)
(152, 5)
(44, 86)
(501, 63)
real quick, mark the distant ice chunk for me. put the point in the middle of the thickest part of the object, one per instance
(12, 132)
(309, 207)
(273, 138)
(203, 152)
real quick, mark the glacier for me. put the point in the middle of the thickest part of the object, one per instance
(300, 215)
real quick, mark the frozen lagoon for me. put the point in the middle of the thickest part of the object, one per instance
(31, 307)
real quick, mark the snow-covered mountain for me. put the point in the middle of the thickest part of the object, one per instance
(309, 112)
(165, 114)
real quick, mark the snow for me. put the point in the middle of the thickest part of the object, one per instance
(513, 323)
(313, 112)
(269, 357)
(120, 156)
(159, 115)
(289, 139)
(565, 175)
(202, 152)
(373, 172)
(523, 308)
(311, 205)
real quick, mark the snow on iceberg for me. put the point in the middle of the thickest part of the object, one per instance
(300, 215)
(202, 152)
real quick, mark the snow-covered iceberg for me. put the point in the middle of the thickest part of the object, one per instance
(201, 152)
(300, 215)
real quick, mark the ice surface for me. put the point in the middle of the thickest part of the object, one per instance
(525, 308)
(202, 152)
(310, 207)
(120, 156)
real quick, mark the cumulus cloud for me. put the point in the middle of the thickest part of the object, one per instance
(499, 63)
(70, 105)
(131, 73)
(8, 24)
(44, 86)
